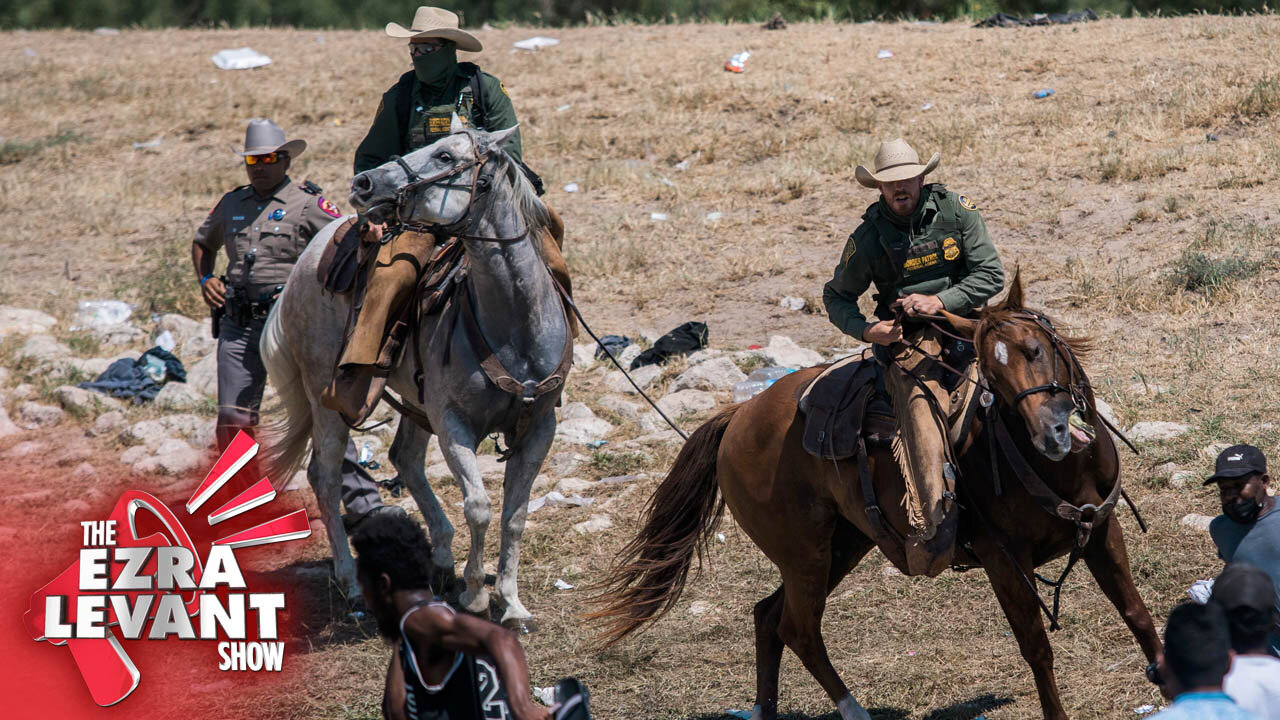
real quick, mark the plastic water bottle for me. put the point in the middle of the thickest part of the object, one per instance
(738, 62)
(769, 374)
(748, 389)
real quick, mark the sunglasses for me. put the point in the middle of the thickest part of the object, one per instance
(270, 158)
(424, 48)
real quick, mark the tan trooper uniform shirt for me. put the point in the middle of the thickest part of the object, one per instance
(275, 229)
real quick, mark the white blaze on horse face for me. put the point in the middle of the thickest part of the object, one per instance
(1002, 352)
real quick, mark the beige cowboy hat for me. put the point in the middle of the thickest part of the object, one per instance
(434, 22)
(263, 136)
(895, 160)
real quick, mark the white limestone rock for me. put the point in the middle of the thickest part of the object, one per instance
(34, 415)
(24, 321)
(1151, 430)
(594, 524)
(643, 376)
(715, 374)
(782, 351)
(178, 396)
(684, 402)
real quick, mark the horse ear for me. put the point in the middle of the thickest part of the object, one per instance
(455, 124)
(497, 137)
(1013, 301)
(963, 326)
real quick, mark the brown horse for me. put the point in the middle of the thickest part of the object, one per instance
(812, 522)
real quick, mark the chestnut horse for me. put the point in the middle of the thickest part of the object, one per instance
(812, 521)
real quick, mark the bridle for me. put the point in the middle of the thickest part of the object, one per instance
(478, 186)
(1076, 381)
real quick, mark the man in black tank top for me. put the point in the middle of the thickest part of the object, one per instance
(445, 665)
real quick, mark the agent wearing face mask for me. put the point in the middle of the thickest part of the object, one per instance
(1248, 530)
(414, 113)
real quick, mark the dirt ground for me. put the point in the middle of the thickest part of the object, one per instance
(1137, 200)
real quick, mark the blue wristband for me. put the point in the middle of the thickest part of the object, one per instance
(206, 277)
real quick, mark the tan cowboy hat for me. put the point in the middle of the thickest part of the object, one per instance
(263, 136)
(434, 22)
(895, 160)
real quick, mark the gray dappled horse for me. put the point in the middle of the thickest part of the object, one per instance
(463, 185)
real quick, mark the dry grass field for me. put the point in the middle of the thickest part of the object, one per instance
(1139, 201)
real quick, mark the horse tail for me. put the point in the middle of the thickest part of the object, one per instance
(286, 434)
(649, 572)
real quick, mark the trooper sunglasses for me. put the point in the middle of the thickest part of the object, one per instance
(270, 158)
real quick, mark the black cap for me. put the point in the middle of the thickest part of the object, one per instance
(1243, 585)
(1238, 461)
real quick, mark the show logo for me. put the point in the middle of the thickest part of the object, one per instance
(159, 586)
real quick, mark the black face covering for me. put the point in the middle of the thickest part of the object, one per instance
(1243, 511)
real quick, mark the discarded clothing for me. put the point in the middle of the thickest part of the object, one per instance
(132, 378)
(1007, 20)
(615, 344)
(688, 338)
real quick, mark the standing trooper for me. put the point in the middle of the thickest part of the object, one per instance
(264, 226)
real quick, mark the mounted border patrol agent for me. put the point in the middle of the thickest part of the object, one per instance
(414, 113)
(264, 227)
(925, 249)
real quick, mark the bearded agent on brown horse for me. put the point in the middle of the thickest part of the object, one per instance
(1006, 464)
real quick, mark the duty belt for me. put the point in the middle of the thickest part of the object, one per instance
(243, 311)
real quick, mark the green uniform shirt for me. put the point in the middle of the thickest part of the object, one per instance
(429, 114)
(275, 229)
(943, 249)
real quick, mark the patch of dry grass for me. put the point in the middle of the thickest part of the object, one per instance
(1097, 192)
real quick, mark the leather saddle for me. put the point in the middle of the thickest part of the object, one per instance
(340, 262)
(843, 404)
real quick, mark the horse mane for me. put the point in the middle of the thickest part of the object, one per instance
(530, 207)
(992, 316)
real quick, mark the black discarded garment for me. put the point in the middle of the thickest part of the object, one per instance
(1007, 20)
(129, 378)
(689, 337)
(615, 344)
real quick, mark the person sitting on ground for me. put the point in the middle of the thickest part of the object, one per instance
(445, 665)
(1248, 530)
(1249, 599)
(1197, 654)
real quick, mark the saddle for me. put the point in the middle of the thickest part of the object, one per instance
(843, 405)
(340, 262)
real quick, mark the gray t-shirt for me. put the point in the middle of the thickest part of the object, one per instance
(1257, 544)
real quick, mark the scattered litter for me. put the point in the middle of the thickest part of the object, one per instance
(757, 381)
(927, 106)
(106, 31)
(148, 144)
(240, 59)
(658, 217)
(713, 216)
(571, 188)
(536, 43)
(666, 181)
(545, 695)
(612, 345)
(96, 314)
(720, 537)
(597, 443)
(564, 107)
(562, 585)
(1111, 133)
(356, 614)
(777, 22)
(1200, 591)
(366, 453)
(791, 302)
(756, 346)
(738, 62)
(687, 338)
(165, 341)
(739, 714)
(1040, 94)
(911, 653)
(1144, 709)
(320, 40)
(29, 52)
(884, 54)
(1210, 137)
(554, 498)
(138, 379)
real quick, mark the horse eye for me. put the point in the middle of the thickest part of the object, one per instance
(444, 157)
(1036, 352)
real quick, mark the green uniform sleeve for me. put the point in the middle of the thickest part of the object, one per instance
(499, 113)
(383, 139)
(840, 295)
(984, 274)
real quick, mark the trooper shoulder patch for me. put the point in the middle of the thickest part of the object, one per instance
(967, 204)
(850, 247)
(328, 208)
(503, 88)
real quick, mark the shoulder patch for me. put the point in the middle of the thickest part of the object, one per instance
(328, 208)
(503, 88)
(850, 247)
(967, 204)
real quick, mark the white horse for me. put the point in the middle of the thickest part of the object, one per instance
(466, 186)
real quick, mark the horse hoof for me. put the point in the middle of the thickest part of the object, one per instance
(525, 626)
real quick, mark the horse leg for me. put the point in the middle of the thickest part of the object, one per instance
(458, 443)
(848, 548)
(1018, 601)
(408, 455)
(1108, 560)
(522, 466)
(328, 445)
(803, 602)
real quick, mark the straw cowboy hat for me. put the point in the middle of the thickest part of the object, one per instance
(895, 160)
(434, 22)
(263, 136)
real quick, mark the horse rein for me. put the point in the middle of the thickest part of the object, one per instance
(474, 189)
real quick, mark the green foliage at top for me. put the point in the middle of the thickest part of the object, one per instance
(88, 14)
